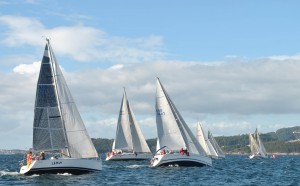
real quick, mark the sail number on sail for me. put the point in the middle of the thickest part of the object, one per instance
(160, 112)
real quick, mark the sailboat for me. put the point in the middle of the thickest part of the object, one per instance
(257, 147)
(205, 143)
(217, 148)
(129, 143)
(58, 127)
(176, 144)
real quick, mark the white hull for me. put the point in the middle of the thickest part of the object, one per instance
(217, 157)
(253, 156)
(72, 166)
(129, 156)
(177, 159)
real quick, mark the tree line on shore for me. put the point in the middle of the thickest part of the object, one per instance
(284, 140)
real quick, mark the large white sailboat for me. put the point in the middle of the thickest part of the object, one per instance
(257, 147)
(205, 143)
(58, 127)
(217, 148)
(176, 144)
(129, 143)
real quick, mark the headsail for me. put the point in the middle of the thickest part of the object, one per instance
(204, 142)
(202, 138)
(57, 122)
(129, 135)
(215, 145)
(172, 130)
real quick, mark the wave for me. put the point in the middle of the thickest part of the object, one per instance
(7, 173)
(64, 174)
(136, 166)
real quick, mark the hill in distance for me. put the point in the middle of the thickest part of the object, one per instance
(284, 140)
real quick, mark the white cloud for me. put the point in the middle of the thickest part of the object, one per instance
(257, 87)
(285, 57)
(81, 42)
(30, 69)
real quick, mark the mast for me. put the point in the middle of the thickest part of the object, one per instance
(57, 95)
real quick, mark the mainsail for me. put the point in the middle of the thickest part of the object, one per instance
(129, 135)
(215, 145)
(172, 130)
(57, 123)
(253, 145)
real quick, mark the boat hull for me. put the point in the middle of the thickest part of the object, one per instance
(128, 157)
(54, 166)
(257, 156)
(217, 157)
(177, 159)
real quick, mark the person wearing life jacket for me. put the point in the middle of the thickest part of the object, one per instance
(181, 151)
(42, 155)
(29, 158)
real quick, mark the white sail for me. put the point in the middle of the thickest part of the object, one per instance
(129, 135)
(138, 139)
(215, 145)
(172, 130)
(261, 147)
(253, 145)
(123, 140)
(204, 142)
(57, 122)
(202, 138)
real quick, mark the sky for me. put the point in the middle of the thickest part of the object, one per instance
(232, 65)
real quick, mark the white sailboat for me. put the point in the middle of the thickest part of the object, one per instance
(217, 148)
(257, 147)
(205, 143)
(176, 144)
(129, 143)
(58, 127)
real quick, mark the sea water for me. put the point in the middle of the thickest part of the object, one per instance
(234, 170)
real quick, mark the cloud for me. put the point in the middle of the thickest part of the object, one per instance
(81, 43)
(30, 69)
(285, 57)
(265, 87)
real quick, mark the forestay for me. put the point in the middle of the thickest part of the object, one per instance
(172, 130)
(57, 122)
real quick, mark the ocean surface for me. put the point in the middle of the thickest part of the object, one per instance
(234, 170)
